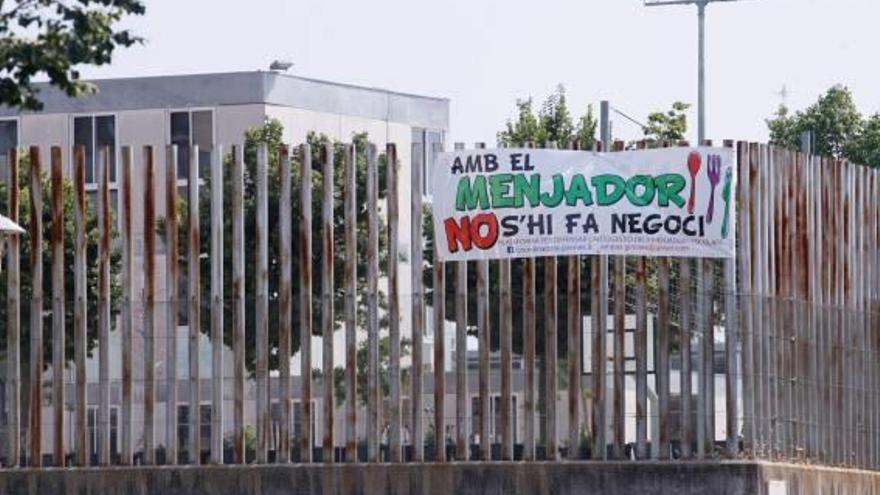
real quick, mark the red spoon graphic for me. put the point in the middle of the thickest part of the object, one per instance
(694, 162)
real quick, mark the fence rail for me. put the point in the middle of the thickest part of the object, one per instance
(773, 355)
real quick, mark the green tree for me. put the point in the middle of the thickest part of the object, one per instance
(54, 38)
(668, 126)
(552, 123)
(271, 134)
(585, 134)
(838, 128)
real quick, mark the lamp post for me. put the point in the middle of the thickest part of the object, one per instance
(701, 68)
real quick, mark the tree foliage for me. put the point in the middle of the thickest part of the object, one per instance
(670, 125)
(26, 287)
(552, 123)
(271, 134)
(55, 37)
(838, 128)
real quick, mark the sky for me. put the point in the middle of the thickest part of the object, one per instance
(485, 54)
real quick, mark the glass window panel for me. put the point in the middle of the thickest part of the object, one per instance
(180, 135)
(105, 137)
(203, 136)
(83, 135)
(205, 429)
(8, 141)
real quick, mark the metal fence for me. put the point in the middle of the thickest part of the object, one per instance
(772, 355)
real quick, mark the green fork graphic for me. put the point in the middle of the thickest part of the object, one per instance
(725, 195)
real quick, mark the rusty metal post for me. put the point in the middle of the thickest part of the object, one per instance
(125, 418)
(149, 299)
(261, 304)
(305, 283)
(484, 332)
(506, 344)
(619, 405)
(744, 210)
(417, 302)
(686, 369)
(529, 329)
(327, 314)
(574, 355)
(104, 214)
(238, 303)
(194, 306)
(550, 357)
(13, 308)
(462, 446)
(351, 394)
(393, 302)
(285, 299)
(35, 237)
(58, 337)
(217, 262)
(373, 387)
(439, 303)
(731, 342)
(599, 324)
(172, 251)
(641, 351)
(662, 364)
(80, 302)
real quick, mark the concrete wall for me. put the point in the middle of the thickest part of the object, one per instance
(608, 478)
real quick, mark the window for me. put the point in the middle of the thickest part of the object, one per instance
(8, 141)
(188, 129)
(93, 430)
(96, 133)
(183, 426)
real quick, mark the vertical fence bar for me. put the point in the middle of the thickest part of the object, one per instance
(506, 344)
(417, 302)
(80, 297)
(104, 309)
(392, 199)
(744, 226)
(58, 337)
(598, 309)
(171, 273)
(373, 387)
(261, 309)
(462, 446)
(641, 352)
(529, 328)
(731, 341)
(13, 335)
(550, 357)
(35, 235)
(285, 298)
(485, 339)
(194, 313)
(127, 300)
(217, 343)
(350, 275)
(687, 432)
(149, 299)
(662, 364)
(305, 310)
(439, 303)
(238, 303)
(574, 355)
(619, 404)
(327, 289)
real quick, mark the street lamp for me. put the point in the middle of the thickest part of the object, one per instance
(701, 69)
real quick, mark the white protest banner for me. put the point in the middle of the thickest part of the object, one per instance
(514, 203)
